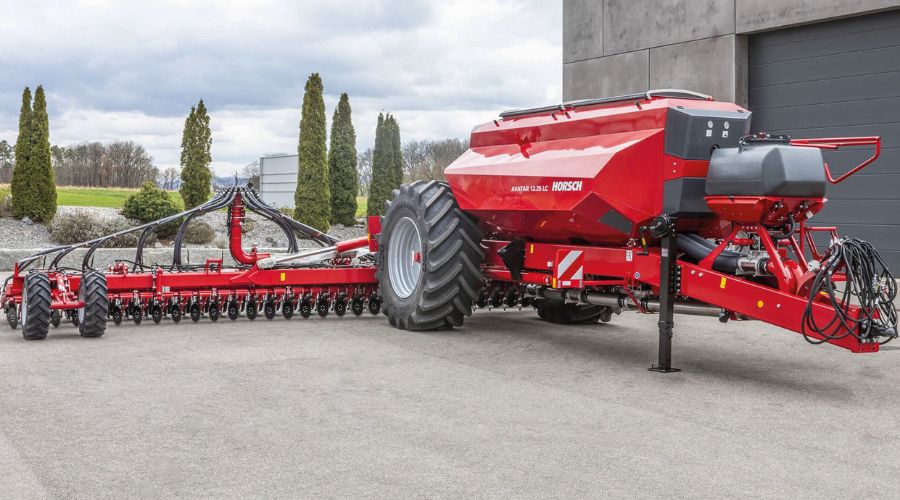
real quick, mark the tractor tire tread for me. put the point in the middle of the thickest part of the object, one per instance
(37, 319)
(93, 290)
(452, 258)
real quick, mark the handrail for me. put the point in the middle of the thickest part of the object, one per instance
(834, 143)
(648, 95)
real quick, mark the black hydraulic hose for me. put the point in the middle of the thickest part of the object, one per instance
(869, 285)
(792, 224)
(139, 253)
(224, 201)
(308, 231)
(147, 229)
(698, 247)
(219, 200)
(292, 225)
(63, 250)
(258, 207)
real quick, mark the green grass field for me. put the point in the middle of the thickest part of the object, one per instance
(91, 197)
(98, 197)
(115, 197)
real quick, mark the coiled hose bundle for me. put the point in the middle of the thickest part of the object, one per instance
(869, 286)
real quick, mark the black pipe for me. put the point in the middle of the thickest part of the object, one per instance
(310, 232)
(139, 253)
(209, 207)
(697, 248)
(63, 250)
(219, 200)
(259, 207)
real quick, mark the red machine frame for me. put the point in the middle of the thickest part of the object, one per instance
(213, 290)
(646, 273)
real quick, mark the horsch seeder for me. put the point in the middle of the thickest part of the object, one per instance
(659, 202)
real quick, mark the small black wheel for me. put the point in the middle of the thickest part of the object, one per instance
(251, 309)
(93, 316)
(340, 305)
(116, 313)
(496, 299)
(357, 305)
(482, 300)
(374, 304)
(233, 310)
(511, 297)
(287, 309)
(269, 309)
(305, 307)
(322, 305)
(175, 312)
(55, 318)
(73, 317)
(135, 311)
(213, 311)
(156, 313)
(195, 312)
(12, 315)
(36, 306)
(606, 316)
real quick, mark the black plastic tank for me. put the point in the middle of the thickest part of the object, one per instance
(766, 170)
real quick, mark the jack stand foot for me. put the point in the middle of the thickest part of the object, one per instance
(663, 369)
(669, 285)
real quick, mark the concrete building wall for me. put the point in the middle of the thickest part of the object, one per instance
(278, 180)
(621, 46)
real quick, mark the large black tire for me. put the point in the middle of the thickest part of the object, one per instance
(446, 285)
(36, 306)
(569, 314)
(92, 317)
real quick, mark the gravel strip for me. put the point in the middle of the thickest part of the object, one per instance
(15, 233)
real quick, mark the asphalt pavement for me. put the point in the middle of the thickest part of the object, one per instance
(506, 407)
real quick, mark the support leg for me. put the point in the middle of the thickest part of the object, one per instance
(667, 289)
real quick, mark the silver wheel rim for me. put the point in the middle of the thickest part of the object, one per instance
(405, 257)
(24, 315)
(81, 298)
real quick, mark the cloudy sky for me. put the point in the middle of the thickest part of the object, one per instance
(131, 70)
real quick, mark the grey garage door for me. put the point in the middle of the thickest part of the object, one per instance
(840, 78)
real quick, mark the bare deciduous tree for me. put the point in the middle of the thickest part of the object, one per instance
(426, 160)
(169, 178)
(116, 164)
(364, 170)
(7, 161)
(251, 172)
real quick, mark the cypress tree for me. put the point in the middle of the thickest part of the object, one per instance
(22, 152)
(41, 160)
(380, 188)
(196, 145)
(396, 155)
(312, 199)
(342, 165)
(34, 194)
